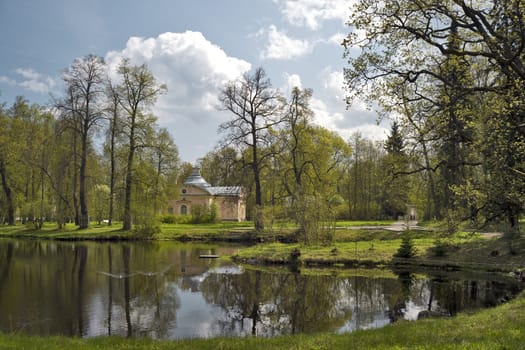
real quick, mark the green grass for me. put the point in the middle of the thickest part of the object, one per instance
(357, 223)
(498, 328)
(371, 248)
(101, 232)
(373, 252)
(70, 231)
(351, 246)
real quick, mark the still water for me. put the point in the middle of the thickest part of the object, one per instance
(164, 290)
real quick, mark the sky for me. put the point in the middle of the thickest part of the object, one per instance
(194, 47)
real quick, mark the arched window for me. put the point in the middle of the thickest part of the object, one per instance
(183, 210)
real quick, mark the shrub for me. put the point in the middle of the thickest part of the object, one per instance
(146, 229)
(406, 249)
(440, 249)
(168, 219)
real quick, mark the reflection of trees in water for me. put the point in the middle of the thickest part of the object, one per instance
(267, 304)
(283, 303)
(6, 256)
(368, 299)
(134, 289)
(139, 304)
(453, 294)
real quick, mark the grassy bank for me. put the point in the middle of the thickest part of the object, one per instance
(182, 232)
(352, 246)
(361, 249)
(498, 328)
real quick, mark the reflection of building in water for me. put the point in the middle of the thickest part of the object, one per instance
(197, 194)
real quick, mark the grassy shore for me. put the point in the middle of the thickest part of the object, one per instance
(497, 328)
(353, 245)
(181, 232)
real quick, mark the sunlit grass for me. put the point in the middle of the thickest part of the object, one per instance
(357, 223)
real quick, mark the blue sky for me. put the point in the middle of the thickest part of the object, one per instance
(194, 46)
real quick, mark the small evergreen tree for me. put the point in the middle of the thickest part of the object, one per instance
(406, 249)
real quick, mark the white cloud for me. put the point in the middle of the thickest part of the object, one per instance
(194, 70)
(282, 47)
(311, 13)
(292, 81)
(333, 81)
(7, 80)
(331, 111)
(325, 115)
(372, 132)
(337, 38)
(31, 80)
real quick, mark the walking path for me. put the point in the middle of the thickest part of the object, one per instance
(397, 226)
(401, 225)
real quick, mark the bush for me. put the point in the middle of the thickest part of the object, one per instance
(168, 219)
(440, 249)
(407, 249)
(146, 229)
(204, 215)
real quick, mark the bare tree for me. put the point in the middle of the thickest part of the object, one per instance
(256, 107)
(85, 84)
(113, 111)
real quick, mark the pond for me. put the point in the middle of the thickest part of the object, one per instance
(164, 290)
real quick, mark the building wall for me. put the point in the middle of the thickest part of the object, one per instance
(231, 208)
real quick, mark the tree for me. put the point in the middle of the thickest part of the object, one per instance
(223, 167)
(363, 179)
(138, 90)
(467, 52)
(114, 130)
(85, 85)
(24, 152)
(5, 160)
(165, 160)
(395, 189)
(394, 143)
(308, 162)
(256, 109)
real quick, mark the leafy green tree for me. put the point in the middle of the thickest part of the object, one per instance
(395, 189)
(24, 153)
(224, 167)
(309, 160)
(138, 90)
(468, 75)
(6, 158)
(363, 179)
(164, 157)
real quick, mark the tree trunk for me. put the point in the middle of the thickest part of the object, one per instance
(129, 178)
(75, 179)
(432, 188)
(84, 215)
(8, 195)
(112, 165)
(258, 222)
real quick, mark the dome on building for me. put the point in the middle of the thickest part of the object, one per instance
(196, 179)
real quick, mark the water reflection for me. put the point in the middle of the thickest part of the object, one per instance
(163, 290)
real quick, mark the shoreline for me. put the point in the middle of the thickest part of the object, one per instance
(356, 247)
